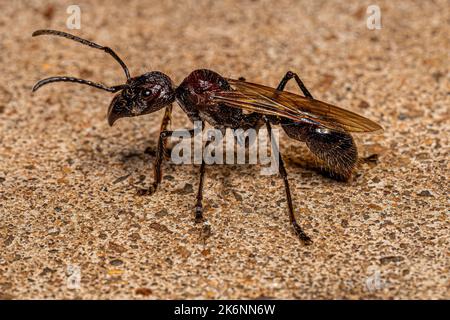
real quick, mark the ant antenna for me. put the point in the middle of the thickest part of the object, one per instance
(71, 79)
(45, 81)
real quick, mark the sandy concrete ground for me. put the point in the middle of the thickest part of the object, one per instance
(67, 180)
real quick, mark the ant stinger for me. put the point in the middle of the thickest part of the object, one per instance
(208, 97)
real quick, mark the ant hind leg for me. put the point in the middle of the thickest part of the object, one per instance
(288, 76)
(199, 205)
(298, 230)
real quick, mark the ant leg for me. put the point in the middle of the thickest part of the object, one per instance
(167, 119)
(298, 230)
(160, 153)
(157, 172)
(199, 205)
(288, 76)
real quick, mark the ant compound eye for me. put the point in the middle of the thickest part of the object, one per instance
(147, 93)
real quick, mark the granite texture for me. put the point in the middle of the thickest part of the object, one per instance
(68, 181)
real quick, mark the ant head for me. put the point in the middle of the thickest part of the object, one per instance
(141, 95)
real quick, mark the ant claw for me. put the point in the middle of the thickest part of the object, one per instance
(146, 191)
(306, 240)
(302, 235)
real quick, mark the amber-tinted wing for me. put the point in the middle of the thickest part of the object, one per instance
(266, 100)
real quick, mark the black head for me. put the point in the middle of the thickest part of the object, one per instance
(139, 95)
(144, 94)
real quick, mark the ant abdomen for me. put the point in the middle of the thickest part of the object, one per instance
(336, 149)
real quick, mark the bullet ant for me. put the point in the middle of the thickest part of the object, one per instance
(224, 103)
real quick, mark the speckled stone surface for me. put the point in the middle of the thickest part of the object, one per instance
(68, 180)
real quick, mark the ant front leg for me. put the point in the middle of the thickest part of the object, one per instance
(167, 119)
(157, 172)
(298, 230)
(288, 76)
(161, 152)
